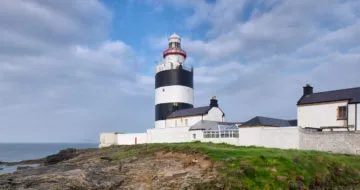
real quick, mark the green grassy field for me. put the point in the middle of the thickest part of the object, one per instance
(267, 168)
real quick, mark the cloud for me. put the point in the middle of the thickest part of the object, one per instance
(257, 63)
(61, 79)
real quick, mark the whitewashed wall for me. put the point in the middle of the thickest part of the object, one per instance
(181, 121)
(271, 137)
(160, 124)
(318, 115)
(196, 135)
(358, 117)
(177, 134)
(280, 137)
(215, 114)
(351, 115)
(129, 139)
(107, 139)
(250, 136)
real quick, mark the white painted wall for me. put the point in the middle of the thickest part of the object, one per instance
(351, 115)
(168, 135)
(280, 137)
(215, 114)
(181, 121)
(271, 137)
(318, 115)
(108, 139)
(197, 134)
(358, 116)
(129, 139)
(174, 93)
(250, 136)
(160, 124)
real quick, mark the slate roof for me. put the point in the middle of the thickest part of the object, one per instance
(190, 112)
(267, 121)
(351, 94)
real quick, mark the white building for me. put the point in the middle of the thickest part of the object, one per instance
(338, 109)
(176, 119)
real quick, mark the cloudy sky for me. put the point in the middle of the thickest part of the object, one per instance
(72, 69)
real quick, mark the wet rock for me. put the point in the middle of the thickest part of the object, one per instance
(61, 156)
(22, 167)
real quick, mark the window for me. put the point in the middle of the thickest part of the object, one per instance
(194, 136)
(222, 131)
(186, 122)
(175, 123)
(342, 112)
(177, 44)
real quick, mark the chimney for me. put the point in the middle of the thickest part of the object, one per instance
(214, 102)
(307, 90)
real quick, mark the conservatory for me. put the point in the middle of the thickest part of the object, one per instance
(222, 131)
(213, 129)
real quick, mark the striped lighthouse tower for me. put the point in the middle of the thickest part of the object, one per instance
(173, 83)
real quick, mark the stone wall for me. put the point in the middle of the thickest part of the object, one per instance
(337, 141)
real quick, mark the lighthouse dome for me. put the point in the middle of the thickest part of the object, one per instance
(174, 38)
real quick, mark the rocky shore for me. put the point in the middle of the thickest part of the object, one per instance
(186, 166)
(109, 169)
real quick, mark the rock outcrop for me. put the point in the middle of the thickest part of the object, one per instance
(100, 169)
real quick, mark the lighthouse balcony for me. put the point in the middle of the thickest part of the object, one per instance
(164, 67)
(177, 51)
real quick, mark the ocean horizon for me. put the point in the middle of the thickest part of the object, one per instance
(13, 152)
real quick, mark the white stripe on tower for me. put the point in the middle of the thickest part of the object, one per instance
(174, 93)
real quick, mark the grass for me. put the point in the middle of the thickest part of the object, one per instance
(266, 168)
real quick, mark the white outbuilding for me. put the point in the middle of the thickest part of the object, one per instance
(330, 110)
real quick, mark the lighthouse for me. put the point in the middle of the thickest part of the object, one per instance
(173, 82)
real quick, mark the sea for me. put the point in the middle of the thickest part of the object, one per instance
(13, 152)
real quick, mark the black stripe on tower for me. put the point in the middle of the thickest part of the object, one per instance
(174, 77)
(164, 110)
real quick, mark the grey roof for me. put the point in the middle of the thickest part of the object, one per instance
(351, 94)
(190, 111)
(230, 123)
(267, 121)
(212, 125)
(203, 125)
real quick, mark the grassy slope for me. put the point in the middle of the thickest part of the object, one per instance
(265, 168)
